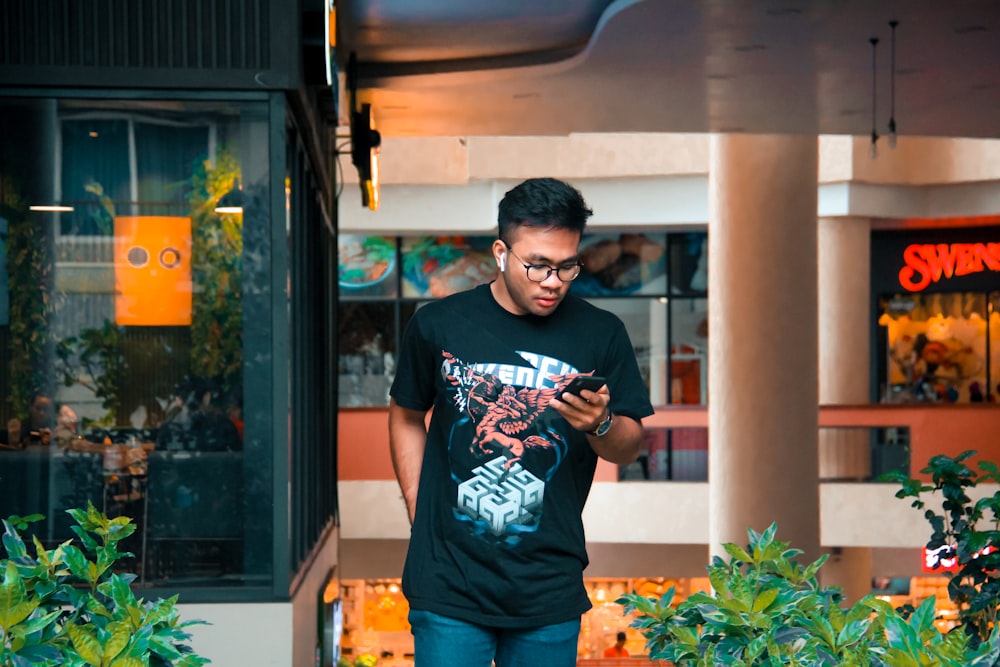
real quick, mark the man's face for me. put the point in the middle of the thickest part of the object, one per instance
(547, 246)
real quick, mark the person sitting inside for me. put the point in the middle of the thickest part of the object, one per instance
(194, 423)
(617, 650)
(38, 425)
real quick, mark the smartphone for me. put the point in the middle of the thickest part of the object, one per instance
(588, 382)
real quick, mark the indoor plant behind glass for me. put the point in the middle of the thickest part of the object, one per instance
(69, 605)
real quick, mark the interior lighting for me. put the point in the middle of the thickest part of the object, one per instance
(51, 208)
(232, 201)
(366, 143)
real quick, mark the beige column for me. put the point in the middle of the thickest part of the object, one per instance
(844, 375)
(844, 319)
(763, 414)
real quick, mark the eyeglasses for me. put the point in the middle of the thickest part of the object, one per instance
(539, 273)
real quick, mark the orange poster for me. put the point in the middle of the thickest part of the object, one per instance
(152, 270)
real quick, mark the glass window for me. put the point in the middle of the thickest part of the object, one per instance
(124, 357)
(934, 347)
(993, 388)
(367, 337)
(622, 264)
(366, 266)
(436, 266)
(625, 273)
(689, 263)
(645, 321)
(688, 351)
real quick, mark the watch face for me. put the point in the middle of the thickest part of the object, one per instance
(603, 427)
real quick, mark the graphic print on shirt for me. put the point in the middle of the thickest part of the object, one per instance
(515, 445)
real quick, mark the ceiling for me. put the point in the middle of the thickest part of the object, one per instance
(554, 67)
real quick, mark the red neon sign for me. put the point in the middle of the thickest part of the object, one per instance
(927, 262)
(933, 562)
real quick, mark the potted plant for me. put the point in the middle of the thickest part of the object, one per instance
(70, 605)
(965, 532)
(768, 609)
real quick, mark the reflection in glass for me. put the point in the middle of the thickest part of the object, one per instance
(935, 347)
(622, 264)
(689, 263)
(436, 266)
(642, 318)
(127, 314)
(993, 306)
(688, 351)
(366, 265)
(367, 362)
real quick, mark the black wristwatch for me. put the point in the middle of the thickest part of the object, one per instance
(604, 426)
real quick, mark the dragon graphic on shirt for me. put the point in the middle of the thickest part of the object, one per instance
(505, 416)
(516, 445)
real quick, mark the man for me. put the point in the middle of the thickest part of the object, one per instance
(617, 650)
(496, 485)
(38, 425)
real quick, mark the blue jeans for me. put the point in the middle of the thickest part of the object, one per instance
(442, 641)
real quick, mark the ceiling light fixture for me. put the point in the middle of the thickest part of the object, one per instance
(892, 83)
(232, 201)
(874, 149)
(51, 208)
(366, 141)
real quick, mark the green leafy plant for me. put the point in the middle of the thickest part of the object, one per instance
(217, 274)
(100, 364)
(768, 609)
(965, 531)
(69, 606)
(28, 274)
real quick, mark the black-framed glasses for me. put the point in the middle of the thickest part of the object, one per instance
(539, 273)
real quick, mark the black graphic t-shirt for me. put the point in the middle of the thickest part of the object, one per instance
(498, 536)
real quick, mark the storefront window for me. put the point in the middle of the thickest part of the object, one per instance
(688, 351)
(436, 266)
(936, 347)
(621, 265)
(123, 357)
(993, 332)
(383, 280)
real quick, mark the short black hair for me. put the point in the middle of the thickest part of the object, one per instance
(542, 202)
(621, 636)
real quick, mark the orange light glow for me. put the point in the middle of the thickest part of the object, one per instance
(152, 270)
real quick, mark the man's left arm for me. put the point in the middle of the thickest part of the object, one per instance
(621, 443)
(587, 412)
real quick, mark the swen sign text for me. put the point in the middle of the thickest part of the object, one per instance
(928, 262)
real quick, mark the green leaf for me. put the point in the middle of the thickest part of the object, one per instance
(852, 632)
(922, 619)
(15, 606)
(85, 643)
(764, 600)
(36, 623)
(77, 563)
(737, 552)
(127, 661)
(119, 635)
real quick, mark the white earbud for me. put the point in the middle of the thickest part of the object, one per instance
(503, 262)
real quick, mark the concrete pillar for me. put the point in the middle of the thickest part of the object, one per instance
(844, 320)
(850, 568)
(763, 414)
(844, 375)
